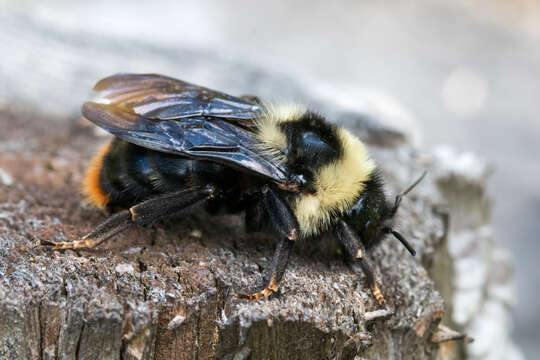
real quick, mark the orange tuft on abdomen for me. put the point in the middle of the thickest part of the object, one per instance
(92, 189)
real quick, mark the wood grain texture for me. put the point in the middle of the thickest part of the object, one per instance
(165, 292)
(118, 301)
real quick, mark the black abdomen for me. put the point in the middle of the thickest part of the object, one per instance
(131, 174)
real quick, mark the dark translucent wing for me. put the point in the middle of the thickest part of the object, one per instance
(164, 98)
(197, 137)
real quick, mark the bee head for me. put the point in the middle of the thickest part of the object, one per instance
(372, 215)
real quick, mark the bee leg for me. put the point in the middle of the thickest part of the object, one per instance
(277, 269)
(367, 266)
(144, 213)
(355, 249)
(107, 229)
(285, 224)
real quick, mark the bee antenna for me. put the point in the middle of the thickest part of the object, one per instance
(402, 240)
(405, 192)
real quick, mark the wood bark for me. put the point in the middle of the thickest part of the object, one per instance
(165, 292)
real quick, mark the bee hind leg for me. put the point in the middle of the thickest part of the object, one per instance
(144, 213)
(107, 229)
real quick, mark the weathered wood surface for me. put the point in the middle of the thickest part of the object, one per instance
(165, 292)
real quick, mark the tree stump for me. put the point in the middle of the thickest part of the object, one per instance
(165, 292)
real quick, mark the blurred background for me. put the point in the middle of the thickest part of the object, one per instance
(459, 73)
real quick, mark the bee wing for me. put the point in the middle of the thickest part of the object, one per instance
(163, 98)
(199, 137)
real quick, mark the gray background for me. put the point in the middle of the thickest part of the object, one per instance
(467, 75)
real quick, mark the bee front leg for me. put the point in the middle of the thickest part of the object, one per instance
(356, 250)
(284, 222)
(144, 213)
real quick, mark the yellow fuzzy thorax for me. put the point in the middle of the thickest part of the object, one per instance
(337, 184)
(273, 140)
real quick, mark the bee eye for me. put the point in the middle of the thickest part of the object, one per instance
(303, 181)
(300, 179)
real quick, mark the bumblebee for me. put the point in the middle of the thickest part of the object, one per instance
(289, 170)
